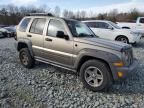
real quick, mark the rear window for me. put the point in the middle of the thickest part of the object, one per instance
(24, 24)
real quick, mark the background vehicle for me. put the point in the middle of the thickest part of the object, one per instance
(109, 30)
(1, 35)
(8, 31)
(139, 25)
(71, 45)
(2, 26)
(12, 30)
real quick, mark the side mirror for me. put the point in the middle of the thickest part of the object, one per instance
(61, 34)
(111, 28)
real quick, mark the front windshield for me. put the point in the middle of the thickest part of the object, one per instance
(114, 25)
(79, 29)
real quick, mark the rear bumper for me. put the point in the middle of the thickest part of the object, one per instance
(125, 70)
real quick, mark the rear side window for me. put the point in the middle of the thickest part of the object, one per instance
(24, 24)
(38, 26)
(102, 25)
(91, 24)
(142, 20)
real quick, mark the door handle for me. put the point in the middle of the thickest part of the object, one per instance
(47, 39)
(29, 35)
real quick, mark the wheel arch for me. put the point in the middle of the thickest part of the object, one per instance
(25, 44)
(88, 57)
(126, 27)
(121, 36)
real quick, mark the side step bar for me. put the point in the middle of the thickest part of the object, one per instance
(55, 65)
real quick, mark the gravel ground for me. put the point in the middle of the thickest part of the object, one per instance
(46, 86)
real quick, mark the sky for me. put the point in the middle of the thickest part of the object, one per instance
(99, 6)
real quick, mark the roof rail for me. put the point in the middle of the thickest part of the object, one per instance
(39, 14)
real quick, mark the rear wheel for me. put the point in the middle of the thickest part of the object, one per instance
(95, 75)
(26, 59)
(123, 39)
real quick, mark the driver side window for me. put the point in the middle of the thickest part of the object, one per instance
(54, 27)
(103, 25)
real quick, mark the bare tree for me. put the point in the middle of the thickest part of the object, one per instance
(134, 13)
(83, 14)
(57, 11)
(3, 11)
(65, 13)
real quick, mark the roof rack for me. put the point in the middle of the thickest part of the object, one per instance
(39, 14)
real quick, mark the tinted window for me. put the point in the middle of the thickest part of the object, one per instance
(91, 24)
(38, 26)
(24, 24)
(102, 25)
(142, 20)
(79, 29)
(54, 27)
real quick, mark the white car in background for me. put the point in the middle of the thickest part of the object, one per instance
(109, 30)
(138, 25)
(8, 31)
(1, 34)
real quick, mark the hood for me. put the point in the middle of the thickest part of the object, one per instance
(138, 30)
(114, 45)
(124, 30)
(130, 30)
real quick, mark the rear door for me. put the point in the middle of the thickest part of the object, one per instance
(35, 34)
(58, 50)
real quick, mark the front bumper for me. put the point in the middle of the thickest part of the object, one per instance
(136, 38)
(125, 70)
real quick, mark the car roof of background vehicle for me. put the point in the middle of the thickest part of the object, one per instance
(140, 17)
(96, 21)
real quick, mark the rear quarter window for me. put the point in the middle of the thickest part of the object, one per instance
(23, 26)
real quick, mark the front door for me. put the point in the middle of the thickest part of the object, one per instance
(57, 49)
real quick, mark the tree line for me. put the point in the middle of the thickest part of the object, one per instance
(11, 14)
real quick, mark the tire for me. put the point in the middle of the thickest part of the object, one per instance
(123, 39)
(102, 68)
(26, 59)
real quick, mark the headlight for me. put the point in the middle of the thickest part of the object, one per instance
(127, 57)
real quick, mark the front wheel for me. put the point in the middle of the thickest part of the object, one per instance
(123, 39)
(95, 75)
